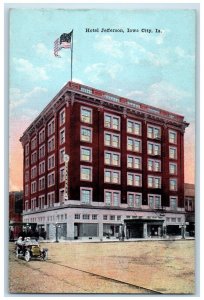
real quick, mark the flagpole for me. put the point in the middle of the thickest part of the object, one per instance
(72, 54)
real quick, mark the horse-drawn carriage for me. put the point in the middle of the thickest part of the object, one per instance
(30, 248)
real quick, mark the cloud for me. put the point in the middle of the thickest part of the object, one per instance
(182, 53)
(26, 67)
(18, 98)
(107, 45)
(96, 72)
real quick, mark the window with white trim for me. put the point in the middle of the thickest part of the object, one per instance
(153, 149)
(33, 172)
(26, 189)
(34, 157)
(86, 173)
(62, 117)
(33, 203)
(134, 144)
(94, 217)
(41, 183)
(26, 176)
(112, 158)
(61, 155)
(41, 201)
(41, 136)
(153, 132)
(134, 162)
(154, 165)
(173, 184)
(26, 205)
(27, 149)
(33, 143)
(51, 179)
(86, 115)
(172, 137)
(77, 216)
(51, 162)
(86, 195)
(112, 139)
(61, 195)
(154, 182)
(51, 127)
(134, 199)
(86, 134)
(33, 187)
(50, 199)
(27, 162)
(154, 201)
(51, 144)
(42, 151)
(173, 202)
(85, 216)
(172, 152)
(112, 197)
(111, 176)
(134, 179)
(62, 174)
(86, 154)
(134, 127)
(62, 136)
(41, 167)
(111, 121)
(172, 168)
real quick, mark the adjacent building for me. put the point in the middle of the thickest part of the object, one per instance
(97, 165)
(189, 195)
(15, 213)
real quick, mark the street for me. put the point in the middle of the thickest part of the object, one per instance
(145, 267)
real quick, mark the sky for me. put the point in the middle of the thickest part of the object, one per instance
(156, 68)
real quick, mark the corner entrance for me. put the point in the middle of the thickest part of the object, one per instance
(143, 228)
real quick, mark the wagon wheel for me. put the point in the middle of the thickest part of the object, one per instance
(45, 255)
(27, 255)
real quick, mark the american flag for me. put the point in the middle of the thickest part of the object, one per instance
(64, 41)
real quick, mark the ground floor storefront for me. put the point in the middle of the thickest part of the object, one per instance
(72, 223)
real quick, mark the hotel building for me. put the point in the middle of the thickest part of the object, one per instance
(97, 165)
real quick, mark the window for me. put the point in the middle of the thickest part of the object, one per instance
(85, 217)
(41, 136)
(41, 201)
(86, 173)
(154, 165)
(112, 122)
(27, 149)
(94, 217)
(51, 127)
(26, 176)
(86, 195)
(86, 134)
(112, 197)
(26, 189)
(86, 154)
(33, 172)
(134, 144)
(33, 187)
(173, 184)
(134, 127)
(111, 176)
(172, 137)
(51, 162)
(41, 183)
(51, 144)
(61, 195)
(33, 143)
(34, 157)
(112, 140)
(42, 167)
(77, 216)
(62, 136)
(153, 149)
(50, 199)
(153, 132)
(33, 203)
(173, 168)
(134, 199)
(118, 218)
(86, 115)
(173, 152)
(27, 162)
(112, 158)
(112, 218)
(26, 205)
(154, 182)
(51, 179)
(61, 155)
(42, 151)
(173, 202)
(154, 201)
(62, 117)
(134, 179)
(134, 162)
(105, 217)
(62, 174)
